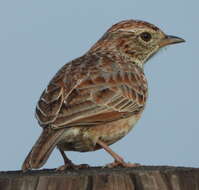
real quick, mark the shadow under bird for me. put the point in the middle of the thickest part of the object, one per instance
(96, 99)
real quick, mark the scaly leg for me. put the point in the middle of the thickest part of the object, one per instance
(68, 163)
(119, 161)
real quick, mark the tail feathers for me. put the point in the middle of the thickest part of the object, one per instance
(42, 149)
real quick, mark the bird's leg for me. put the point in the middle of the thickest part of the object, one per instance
(68, 163)
(119, 161)
(110, 151)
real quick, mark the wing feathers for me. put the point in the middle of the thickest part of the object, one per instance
(80, 95)
(72, 120)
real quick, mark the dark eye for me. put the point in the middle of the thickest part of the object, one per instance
(146, 36)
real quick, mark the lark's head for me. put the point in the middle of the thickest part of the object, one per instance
(135, 39)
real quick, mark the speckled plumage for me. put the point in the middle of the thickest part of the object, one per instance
(98, 96)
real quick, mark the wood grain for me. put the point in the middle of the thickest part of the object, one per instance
(140, 178)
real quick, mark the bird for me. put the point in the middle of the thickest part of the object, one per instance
(96, 99)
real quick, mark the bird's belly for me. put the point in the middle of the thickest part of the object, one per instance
(84, 139)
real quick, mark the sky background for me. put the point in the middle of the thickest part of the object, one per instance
(38, 37)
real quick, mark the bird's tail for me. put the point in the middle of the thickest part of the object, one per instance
(40, 152)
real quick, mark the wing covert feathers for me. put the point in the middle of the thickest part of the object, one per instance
(90, 87)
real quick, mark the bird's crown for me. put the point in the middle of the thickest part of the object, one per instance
(131, 25)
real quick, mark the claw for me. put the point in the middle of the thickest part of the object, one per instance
(122, 164)
(72, 166)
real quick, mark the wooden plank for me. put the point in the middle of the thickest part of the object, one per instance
(139, 178)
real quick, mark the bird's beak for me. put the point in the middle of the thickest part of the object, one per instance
(168, 40)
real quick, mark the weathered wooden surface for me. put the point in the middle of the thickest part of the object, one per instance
(140, 178)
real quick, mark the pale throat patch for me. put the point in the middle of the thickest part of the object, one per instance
(139, 63)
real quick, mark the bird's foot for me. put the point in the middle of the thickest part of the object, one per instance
(72, 166)
(122, 164)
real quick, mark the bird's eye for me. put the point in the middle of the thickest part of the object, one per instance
(146, 36)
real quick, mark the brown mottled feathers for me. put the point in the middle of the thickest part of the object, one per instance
(42, 148)
(95, 100)
(130, 24)
(84, 92)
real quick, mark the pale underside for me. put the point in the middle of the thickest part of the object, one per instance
(84, 139)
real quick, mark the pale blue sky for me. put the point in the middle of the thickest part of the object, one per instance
(38, 37)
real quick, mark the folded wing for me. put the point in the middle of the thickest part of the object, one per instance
(83, 93)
